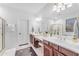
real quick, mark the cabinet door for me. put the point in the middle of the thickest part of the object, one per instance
(57, 53)
(54, 46)
(67, 52)
(47, 50)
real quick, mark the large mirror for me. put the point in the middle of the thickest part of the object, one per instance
(69, 28)
(70, 25)
(78, 28)
(2, 32)
(55, 29)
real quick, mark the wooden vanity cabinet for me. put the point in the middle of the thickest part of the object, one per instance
(57, 53)
(47, 49)
(54, 46)
(51, 49)
(55, 49)
(67, 52)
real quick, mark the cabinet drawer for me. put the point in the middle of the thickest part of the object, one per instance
(56, 53)
(67, 52)
(47, 50)
(54, 46)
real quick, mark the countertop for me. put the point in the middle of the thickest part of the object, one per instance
(61, 42)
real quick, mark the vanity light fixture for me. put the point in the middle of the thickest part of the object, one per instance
(61, 6)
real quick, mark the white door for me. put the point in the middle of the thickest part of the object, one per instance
(0, 34)
(22, 32)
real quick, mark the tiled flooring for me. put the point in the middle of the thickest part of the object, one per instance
(12, 51)
(25, 52)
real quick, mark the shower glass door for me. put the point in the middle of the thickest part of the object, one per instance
(0, 34)
(2, 23)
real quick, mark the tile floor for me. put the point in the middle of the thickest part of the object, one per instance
(25, 52)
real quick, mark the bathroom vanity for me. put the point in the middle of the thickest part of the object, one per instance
(59, 39)
(57, 50)
(53, 46)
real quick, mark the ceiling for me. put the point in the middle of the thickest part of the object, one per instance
(44, 9)
(68, 12)
(32, 8)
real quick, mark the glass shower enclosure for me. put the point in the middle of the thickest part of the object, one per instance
(2, 34)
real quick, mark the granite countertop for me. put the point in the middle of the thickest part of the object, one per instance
(61, 42)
